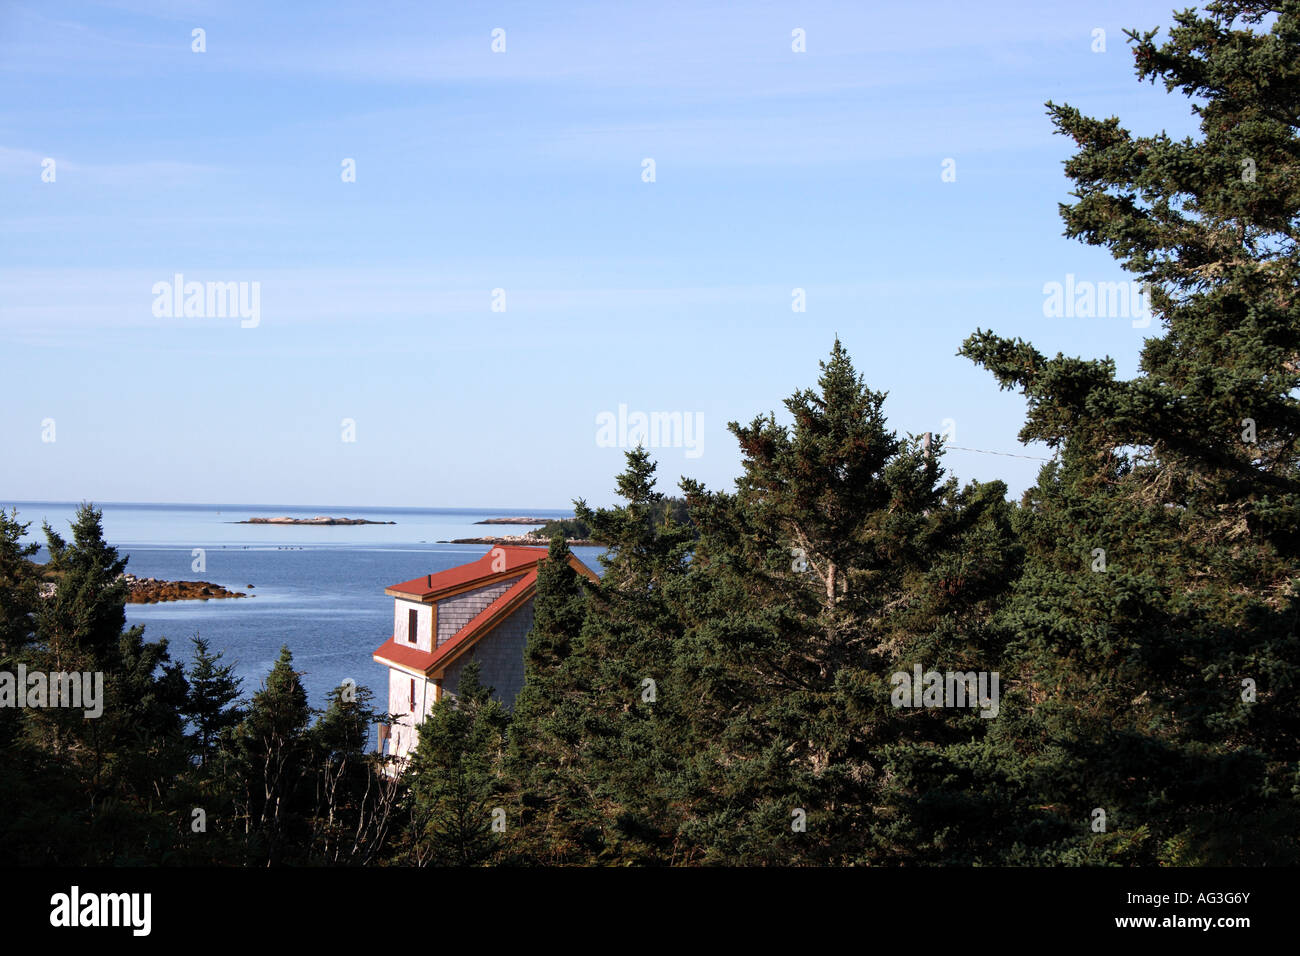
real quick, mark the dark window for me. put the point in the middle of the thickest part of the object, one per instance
(412, 622)
(412, 695)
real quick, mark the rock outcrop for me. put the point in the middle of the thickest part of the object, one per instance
(154, 591)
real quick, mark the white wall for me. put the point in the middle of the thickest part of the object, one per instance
(424, 626)
(399, 702)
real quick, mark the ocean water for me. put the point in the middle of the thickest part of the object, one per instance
(319, 590)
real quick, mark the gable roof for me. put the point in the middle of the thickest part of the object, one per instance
(521, 564)
(465, 576)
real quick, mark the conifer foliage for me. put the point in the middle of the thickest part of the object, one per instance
(738, 686)
(1160, 586)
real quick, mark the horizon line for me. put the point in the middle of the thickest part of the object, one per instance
(511, 512)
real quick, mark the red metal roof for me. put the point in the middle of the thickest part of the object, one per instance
(395, 652)
(518, 563)
(429, 585)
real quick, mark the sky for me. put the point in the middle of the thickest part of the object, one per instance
(462, 260)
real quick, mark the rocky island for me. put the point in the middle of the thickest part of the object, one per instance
(320, 520)
(154, 591)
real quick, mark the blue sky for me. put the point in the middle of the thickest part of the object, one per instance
(523, 170)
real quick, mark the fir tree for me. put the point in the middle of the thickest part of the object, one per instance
(83, 622)
(212, 690)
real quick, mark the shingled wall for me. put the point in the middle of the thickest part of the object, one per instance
(455, 612)
(500, 655)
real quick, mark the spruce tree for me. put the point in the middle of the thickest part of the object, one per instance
(45, 813)
(1154, 628)
(83, 622)
(212, 689)
(842, 557)
(629, 766)
(127, 757)
(547, 725)
(455, 776)
(19, 587)
(274, 753)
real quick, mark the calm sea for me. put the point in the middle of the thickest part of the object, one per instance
(320, 590)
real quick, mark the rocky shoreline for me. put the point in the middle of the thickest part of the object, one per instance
(154, 591)
(515, 520)
(522, 540)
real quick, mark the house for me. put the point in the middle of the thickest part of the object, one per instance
(481, 611)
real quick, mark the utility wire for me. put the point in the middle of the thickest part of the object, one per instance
(1004, 454)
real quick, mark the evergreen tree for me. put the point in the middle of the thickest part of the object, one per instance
(355, 796)
(212, 690)
(82, 624)
(127, 757)
(44, 811)
(546, 729)
(840, 559)
(19, 603)
(1154, 629)
(19, 586)
(630, 754)
(274, 753)
(455, 775)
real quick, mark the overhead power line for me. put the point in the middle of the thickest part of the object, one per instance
(1004, 454)
(928, 437)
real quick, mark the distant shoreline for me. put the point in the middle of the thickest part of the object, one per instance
(516, 520)
(262, 506)
(531, 539)
(522, 540)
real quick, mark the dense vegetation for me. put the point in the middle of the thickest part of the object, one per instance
(577, 528)
(725, 693)
(564, 528)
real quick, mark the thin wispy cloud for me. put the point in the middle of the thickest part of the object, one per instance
(525, 171)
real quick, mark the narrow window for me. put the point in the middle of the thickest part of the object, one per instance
(412, 695)
(412, 623)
